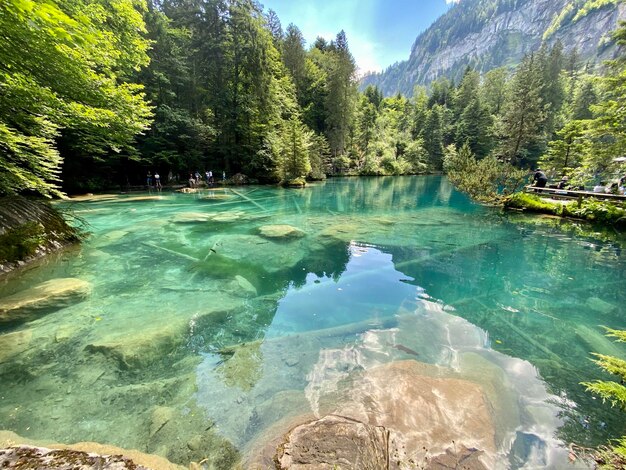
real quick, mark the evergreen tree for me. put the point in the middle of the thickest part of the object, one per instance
(607, 131)
(420, 112)
(293, 147)
(294, 58)
(275, 28)
(178, 139)
(341, 97)
(566, 151)
(552, 86)
(433, 136)
(474, 128)
(585, 97)
(493, 90)
(521, 131)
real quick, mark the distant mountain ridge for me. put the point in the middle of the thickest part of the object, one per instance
(486, 34)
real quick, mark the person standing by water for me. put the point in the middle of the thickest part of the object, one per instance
(149, 180)
(157, 181)
(540, 179)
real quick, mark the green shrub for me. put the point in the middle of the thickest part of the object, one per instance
(599, 211)
(614, 455)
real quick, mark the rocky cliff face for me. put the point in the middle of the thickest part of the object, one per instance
(486, 34)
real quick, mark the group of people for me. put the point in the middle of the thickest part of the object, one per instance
(154, 181)
(616, 187)
(195, 178)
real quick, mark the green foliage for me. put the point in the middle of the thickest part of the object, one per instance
(521, 128)
(292, 147)
(567, 150)
(614, 393)
(606, 133)
(591, 5)
(64, 69)
(599, 211)
(21, 242)
(487, 180)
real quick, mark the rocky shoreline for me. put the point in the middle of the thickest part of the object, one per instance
(29, 230)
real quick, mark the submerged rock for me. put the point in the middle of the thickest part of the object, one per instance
(403, 414)
(161, 415)
(191, 217)
(241, 287)
(282, 232)
(335, 442)
(14, 343)
(245, 254)
(242, 365)
(53, 294)
(139, 348)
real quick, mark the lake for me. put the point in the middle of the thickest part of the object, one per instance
(215, 321)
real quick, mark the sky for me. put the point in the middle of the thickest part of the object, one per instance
(379, 32)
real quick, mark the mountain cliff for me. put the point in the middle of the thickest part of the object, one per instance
(487, 34)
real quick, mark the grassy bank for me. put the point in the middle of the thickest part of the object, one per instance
(591, 209)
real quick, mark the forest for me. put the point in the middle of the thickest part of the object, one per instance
(98, 92)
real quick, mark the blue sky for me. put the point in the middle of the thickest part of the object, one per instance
(379, 32)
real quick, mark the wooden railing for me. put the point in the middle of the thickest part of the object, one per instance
(571, 194)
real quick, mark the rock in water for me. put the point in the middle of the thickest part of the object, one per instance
(14, 343)
(281, 232)
(398, 415)
(191, 217)
(137, 349)
(241, 287)
(53, 294)
(161, 415)
(335, 442)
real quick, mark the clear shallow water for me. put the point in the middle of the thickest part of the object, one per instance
(172, 353)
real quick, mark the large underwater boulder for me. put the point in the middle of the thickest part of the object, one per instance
(403, 414)
(53, 294)
(280, 232)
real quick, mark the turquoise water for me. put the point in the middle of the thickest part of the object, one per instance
(201, 335)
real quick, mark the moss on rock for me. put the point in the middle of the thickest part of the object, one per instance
(30, 228)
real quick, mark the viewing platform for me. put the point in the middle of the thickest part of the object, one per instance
(573, 194)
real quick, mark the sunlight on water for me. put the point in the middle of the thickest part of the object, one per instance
(211, 321)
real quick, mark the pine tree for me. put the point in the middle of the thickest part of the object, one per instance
(524, 113)
(341, 97)
(275, 28)
(294, 145)
(294, 57)
(493, 90)
(474, 128)
(552, 86)
(433, 136)
(566, 151)
(420, 112)
(607, 131)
